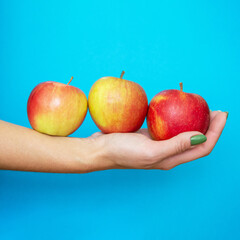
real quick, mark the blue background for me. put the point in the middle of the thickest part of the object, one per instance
(158, 44)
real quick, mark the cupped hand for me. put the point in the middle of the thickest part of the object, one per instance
(138, 150)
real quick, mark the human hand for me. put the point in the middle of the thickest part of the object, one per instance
(138, 150)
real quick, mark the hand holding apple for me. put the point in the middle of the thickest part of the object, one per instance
(56, 109)
(172, 112)
(139, 150)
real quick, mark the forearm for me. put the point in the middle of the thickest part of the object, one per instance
(27, 150)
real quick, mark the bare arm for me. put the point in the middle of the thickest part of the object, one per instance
(27, 150)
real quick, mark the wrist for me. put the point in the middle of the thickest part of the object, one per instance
(89, 154)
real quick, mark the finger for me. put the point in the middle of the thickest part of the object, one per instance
(213, 134)
(213, 114)
(176, 145)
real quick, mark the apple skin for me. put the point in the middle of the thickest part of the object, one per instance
(117, 105)
(56, 108)
(173, 111)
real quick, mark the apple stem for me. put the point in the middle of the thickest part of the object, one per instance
(181, 86)
(70, 80)
(122, 74)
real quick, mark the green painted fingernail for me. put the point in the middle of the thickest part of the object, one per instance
(227, 114)
(197, 139)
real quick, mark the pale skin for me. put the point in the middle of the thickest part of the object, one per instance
(24, 149)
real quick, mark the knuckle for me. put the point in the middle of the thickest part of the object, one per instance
(181, 146)
(206, 150)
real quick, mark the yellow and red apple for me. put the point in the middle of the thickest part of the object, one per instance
(117, 105)
(173, 111)
(56, 109)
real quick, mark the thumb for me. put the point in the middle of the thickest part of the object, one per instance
(180, 143)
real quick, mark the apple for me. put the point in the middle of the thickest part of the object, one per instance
(173, 111)
(56, 109)
(117, 105)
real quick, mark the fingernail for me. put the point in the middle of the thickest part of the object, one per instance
(198, 139)
(219, 111)
(227, 114)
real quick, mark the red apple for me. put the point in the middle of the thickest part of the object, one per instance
(117, 105)
(172, 112)
(56, 109)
